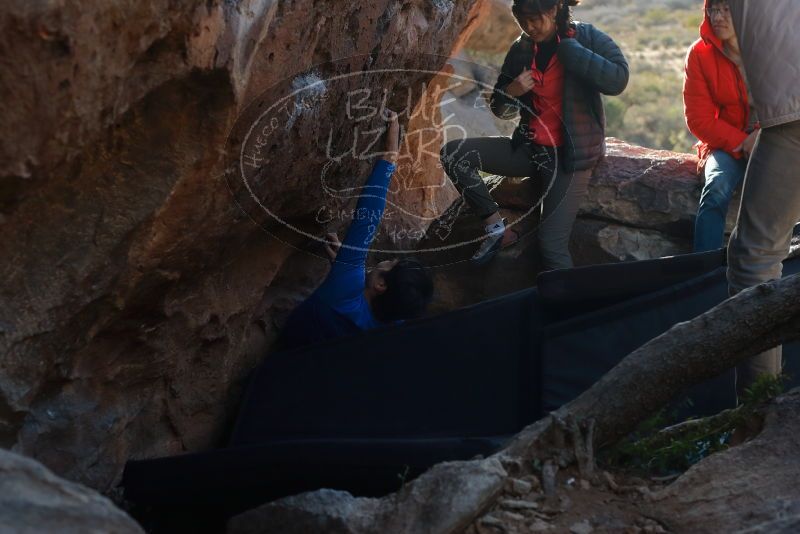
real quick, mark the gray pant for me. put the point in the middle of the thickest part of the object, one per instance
(769, 210)
(463, 158)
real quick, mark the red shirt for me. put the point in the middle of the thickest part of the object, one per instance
(546, 124)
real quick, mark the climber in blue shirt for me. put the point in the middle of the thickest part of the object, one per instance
(351, 298)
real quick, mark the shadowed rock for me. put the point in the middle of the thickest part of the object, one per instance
(441, 500)
(32, 499)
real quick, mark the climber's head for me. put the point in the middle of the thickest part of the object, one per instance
(542, 19)
(399, 289)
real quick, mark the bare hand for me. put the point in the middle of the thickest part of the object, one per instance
(332, 246)
(749, 143)
(521, 84)
(392, 147)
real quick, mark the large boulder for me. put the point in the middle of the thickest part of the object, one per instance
(498, 31)
(33, 499)
(595, 241)
(645, 188)
(641, 204)
(749, 488)
(420, 190)
(144, 258)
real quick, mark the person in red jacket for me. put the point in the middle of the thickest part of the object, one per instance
(718, 112)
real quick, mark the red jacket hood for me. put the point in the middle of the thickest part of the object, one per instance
(706, 31)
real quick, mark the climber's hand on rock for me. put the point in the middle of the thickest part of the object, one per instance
(392, 147)
(521, 84)
(332, 246)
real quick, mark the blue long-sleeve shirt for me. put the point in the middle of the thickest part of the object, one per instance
(338, 306)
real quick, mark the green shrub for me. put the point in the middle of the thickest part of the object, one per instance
(675, 451)
(692, 21)
(656, 17)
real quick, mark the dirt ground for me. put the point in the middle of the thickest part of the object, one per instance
(611, 503)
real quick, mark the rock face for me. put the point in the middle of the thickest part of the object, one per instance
(32, 499)
(420, 190)
(136, 289)
(595, 241)
(641, 204)
(645, 188)
(465, 107)
(751, 487)
(497, 32)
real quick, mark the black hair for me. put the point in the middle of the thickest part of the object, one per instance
(409, 289)
(521, 8)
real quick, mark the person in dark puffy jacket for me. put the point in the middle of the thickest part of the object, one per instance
(552, 77)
